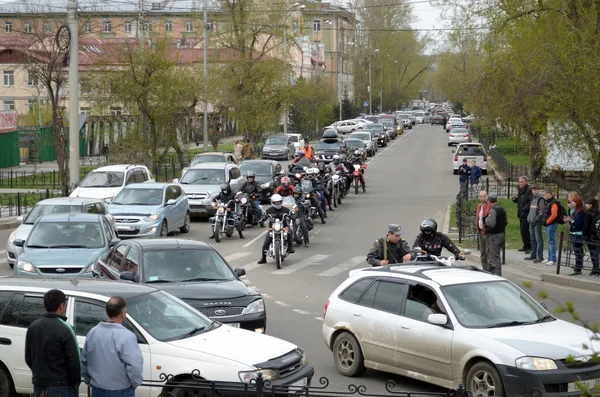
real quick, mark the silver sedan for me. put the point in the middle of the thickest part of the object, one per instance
(458, 135)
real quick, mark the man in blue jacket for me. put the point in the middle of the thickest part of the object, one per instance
(474, 179)
(464, 171)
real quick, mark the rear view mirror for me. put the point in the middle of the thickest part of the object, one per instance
(417, 249)
(129, 276)
(114, 241)
(437, 319)
(19, 243)
(171, 202)
(240, 272)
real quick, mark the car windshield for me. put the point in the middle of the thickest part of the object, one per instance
(328, 145)
(387, 122)
(276, 140)
(492, 304)
(460, 131)
(470, 150)
(259, 168)
(139, 197)
(362, 136)
(294, 138)
(66, 235)
(211, 158)
(373, 119)
(374, 127)
(185, 265)
(102, 179)
(165, 317)
(419, 114)
(45, 209)
(354, 143)
(203, 177)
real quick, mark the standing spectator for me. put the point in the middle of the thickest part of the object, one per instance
(536, 210)
(483, 208)
(495, 228)
(52, 351)
(591, 233)
(570, 196)
(248, 150)
(474, 178)
(237, 151)
(308, 151)
(112, 360)
(576, 221)
(464, 171)
(550, 222)
(523, 201)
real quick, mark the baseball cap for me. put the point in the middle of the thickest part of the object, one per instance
(492, 198)
(395, 228)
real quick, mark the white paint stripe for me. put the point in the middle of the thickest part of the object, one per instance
(4, 276)
(301, 311)
(313, 260)
(319, 318)
(2, 252)
(255, 239)
(3, 261)
(317, 231)
(267, 296)
(236, 256)
(342, 267)
(280, 303)
(251, 266)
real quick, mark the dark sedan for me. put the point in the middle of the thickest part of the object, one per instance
(437, 119)
(327, 148)
(268, 175)
(378, 131)
(191, 270)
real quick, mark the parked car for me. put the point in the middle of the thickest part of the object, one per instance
(370, 145)
(107, 182)
(372, 118)
(453, 120)
(470, 151)
(151, 210)
(174, 338)
(194, 272)
(347, 126)
(64, 245)
(420, 117)
(405, 119)
(210, 157)
(389, 123)
(58, 205)
(427, 117)
(268, 175)
(362, 122)
(353, 144)
(458, 135)
(279, 147)
(202, 181)
(331, 126)
(378, 131)
(449, 325)
(326, 148)
(457, 124)
(437, 118)
(297, 140)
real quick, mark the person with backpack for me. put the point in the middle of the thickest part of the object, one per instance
(534, 218)
(554, 214)
(576, 220)
(591, 233)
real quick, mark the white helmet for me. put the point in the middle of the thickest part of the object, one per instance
(276, 201)
(309, 173)
(316, 171)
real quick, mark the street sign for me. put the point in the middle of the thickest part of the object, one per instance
(8, 120)
(366, 104)
(82, 120)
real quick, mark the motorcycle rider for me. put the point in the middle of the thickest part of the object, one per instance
(337, 165)
(301, 161)
(357, 158)
(286, 188)
(391, 249)
(225, 196)
(303, 227)
(432, 241)
(250, 187)
(276, 211)
(318, 185)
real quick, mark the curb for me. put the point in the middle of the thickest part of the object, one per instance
(573, 282)
(446, 228)
(9, 225)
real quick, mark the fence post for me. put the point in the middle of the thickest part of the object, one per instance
(459, 219)
(259, 385)
(18, 204)
(11, 179)
(504, 252)
(47, 193)
(560, 245)
(487, 185)
(508, 188)
(54, 179)
(166, 172)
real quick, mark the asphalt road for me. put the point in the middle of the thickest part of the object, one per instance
(407, 182)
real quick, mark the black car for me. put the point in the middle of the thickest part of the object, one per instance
(268, 175)
(192, 271)
(378, 131)
(437, 119)
(326, 148)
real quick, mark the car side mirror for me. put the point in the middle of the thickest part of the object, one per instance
(129, 276)
(108, 200)
(19, 243)
(171, 202)
(114, 242)
(240, 272)
(437, 319)
(20, 218)
(176, 180)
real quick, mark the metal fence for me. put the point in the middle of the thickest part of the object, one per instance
(568, 255)
(17, 204)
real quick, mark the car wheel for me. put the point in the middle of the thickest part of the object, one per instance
(186, 223)
(484, 379)
(191, 392)
(7, 387)
(484, 172)
(449, 144)
(164, 230)
(455, 172)
(347, 355)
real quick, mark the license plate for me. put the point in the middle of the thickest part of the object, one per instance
(301, 383)
(123, 227)
(234, 325)
(585, 384)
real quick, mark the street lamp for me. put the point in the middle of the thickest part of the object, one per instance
(285, 15)
(371, 84)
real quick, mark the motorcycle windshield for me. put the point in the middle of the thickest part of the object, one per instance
(288, 202)
(306, 185)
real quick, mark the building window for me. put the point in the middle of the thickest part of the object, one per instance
(169, 26)
(87, 27)
(47, 27)
(148, 27)
(85, 86)
(31, 104)
(85, 110)
(107, 26)
(127, 27)
(9, 78)
(189, 26)
(9, 105)
(27, 27)
(32, 79)
(210, 26)
(316, 26)
(8, 27)
(115, 111)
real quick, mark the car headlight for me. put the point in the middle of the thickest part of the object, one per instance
(26, 267)
(277, 227)
(298, 176)
(266, 185)
(152, 217)
(11, 238)
(255, 307)
(535, 363)
(304, 357)
(249, 376)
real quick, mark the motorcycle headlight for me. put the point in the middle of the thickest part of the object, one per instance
(277, 227)
(244, 200)
(26, 267)
(257, 306)
(307, 195)
(11, 238)
(266, 185)
(220, 210)
(152, 217)
(249, 376)
(535, 363)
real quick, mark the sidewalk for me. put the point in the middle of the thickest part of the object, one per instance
(10, 222)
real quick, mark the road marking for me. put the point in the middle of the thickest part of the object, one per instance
(319, 318)
(313, 260)
(301, 311)
(251, 266)
(267, 296)
(342, 267)
(280, 303)
(255, 239)
(2, 252)
(236, 256)
(4, 276)
(317, 231)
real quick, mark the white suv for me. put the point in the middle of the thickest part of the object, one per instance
(175, 339)
(451, 325)
(107, 182)
(470, 151)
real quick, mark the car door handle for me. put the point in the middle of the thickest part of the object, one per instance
(357, 314)
(5, 341)
(404, 326)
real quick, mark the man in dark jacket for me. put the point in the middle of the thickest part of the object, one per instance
(251, 188)
(276, 211)
(225, 196)
(433, 242)
(464, 172)
(523, 201)
(495, 228)
(389, 250)
(52, 351)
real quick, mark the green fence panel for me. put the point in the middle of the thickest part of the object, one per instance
(47, 152)
(9, 149)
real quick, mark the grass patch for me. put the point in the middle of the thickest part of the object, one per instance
(518, 159)
(25, 199)
(38, 180)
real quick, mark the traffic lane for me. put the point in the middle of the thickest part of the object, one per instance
(5, 270)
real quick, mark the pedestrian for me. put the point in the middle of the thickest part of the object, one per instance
(523, 201)
(464, 172)
(391, 249)
(550, 221)
(237, 151)
(474, 178)
(495, 228)
(534, 218)
(591, 233)
(576, 220)
(308, 150)
(52, 351)
(444, 122)
(483, 208)
(111, 360)
(248, 150)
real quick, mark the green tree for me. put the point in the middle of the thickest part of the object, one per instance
(309, 105)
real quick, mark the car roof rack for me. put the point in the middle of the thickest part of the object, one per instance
(429, 265)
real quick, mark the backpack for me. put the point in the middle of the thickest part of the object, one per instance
(562, 212)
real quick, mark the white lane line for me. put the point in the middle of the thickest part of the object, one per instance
(251, 266)
(267, 296)
(236, 256)
(255, 239)
(2, 252)
(342, 267)
(280, 303)
(313, 260)
(301, 311)
(319, 318)
(317, 231)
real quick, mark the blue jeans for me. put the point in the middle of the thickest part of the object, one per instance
(55, 391)
(256, 205)
(98, 392)
(577, 240)
(551, 238)
(537, 242)
(323, 201)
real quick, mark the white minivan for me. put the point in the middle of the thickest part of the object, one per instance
(107, 182)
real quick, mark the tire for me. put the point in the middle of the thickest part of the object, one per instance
(339, 196)
(164, 229)
(277, 249)
(191, 392)
(483, 172)
(186, 224)
(229, 233)
(483, 378)
(7, 387)
(364, 188)
(299, 236)
(356, 183)
(347, 355)
(218, 231)
(455, 172)
(334, 198)
(449, 144)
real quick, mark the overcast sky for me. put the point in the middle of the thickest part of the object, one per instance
(428, 16)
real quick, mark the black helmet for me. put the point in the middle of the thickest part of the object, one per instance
(225, 188)
(337, 159)
(251, 174)
(429, 226)
(297, 189)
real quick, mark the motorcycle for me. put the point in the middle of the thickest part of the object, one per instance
(315, 204)
(302, 213)
(424, 256)
(224, 220)
(249, 214)
(338, 181)
(278, 247)
(329, 188)
(296, 174)
(356, 178)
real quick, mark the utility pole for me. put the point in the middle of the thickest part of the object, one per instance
(341, 91)
(205, 77)
(370, 91)
(381, 89)
(285, 115)
(73, 94)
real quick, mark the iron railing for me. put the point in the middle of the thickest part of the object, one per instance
(568, 257)
(17, 204)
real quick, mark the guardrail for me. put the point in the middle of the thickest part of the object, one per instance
(568, 257)
(17, 204)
